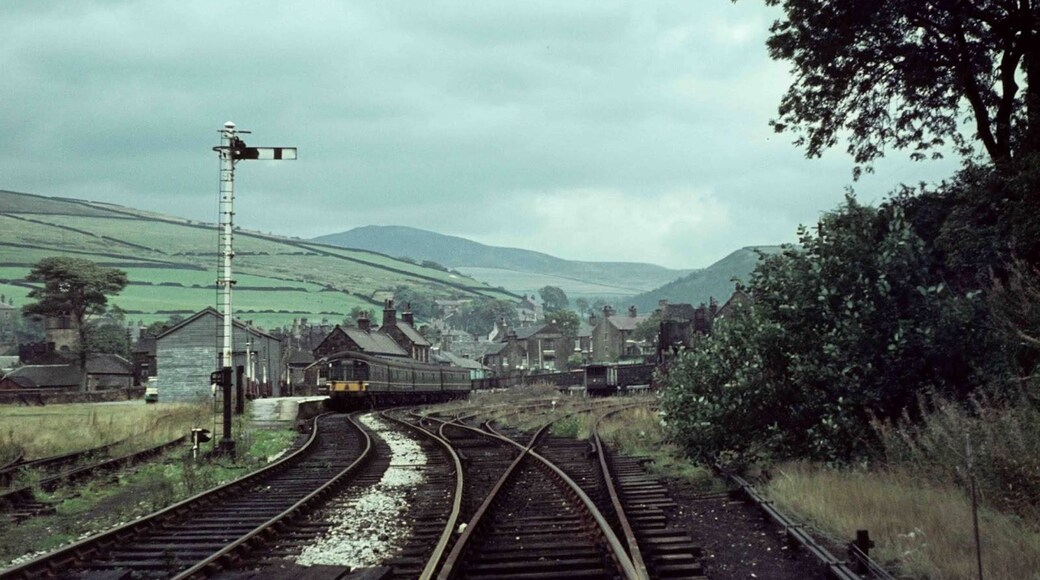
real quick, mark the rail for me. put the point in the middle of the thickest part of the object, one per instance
(836, 568)
(615, 499)
(213, 563)
(456, 507)
(618, 551)
(57, 560)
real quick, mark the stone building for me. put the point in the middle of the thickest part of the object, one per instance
(611, 337)
(404, 333)
(188, 352)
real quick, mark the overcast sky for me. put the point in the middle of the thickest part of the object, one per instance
(591, 130)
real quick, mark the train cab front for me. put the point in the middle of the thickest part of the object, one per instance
(348, 384)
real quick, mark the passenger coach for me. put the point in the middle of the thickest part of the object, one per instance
(358, 381)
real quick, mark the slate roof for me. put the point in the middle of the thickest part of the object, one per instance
(209, 310)
(413, 334)
(374, 342)
(584, 329)
(495, 348)
(109, 364)
(525, 332)
(461, 362)
(678, 312)
(37, 376)
(625, 322)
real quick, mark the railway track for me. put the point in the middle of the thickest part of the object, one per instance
(534, 522)
(213, 530)
(10, 470)
(19, 504)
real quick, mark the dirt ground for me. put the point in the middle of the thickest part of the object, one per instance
(737, 540)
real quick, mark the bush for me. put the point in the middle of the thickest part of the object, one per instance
(850, 325)
(1005, 435)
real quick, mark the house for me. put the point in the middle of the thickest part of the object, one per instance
(363, 339)
(143, 358)
(476, 370)
(189, 351)
(611, 337)
(404, 333)
(104, 372)
(506, 357)
(738, 300)
(538, 347)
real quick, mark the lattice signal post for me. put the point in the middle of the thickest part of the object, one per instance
(232, 150)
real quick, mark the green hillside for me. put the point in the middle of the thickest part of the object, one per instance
(715, 281)
(517, 269)
(172, 263)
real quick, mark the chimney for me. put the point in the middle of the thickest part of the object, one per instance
(632, 311)
(608, 311)
(363, 322)
(389, 314)
(142, 332)
(407, 317)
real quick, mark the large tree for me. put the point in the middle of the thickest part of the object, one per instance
(906, 74)
(74, 286)
(553, 298)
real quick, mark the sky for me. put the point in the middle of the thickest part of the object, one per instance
(596, 130)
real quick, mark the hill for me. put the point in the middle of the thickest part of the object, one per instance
(517, 269)
(171, 263)
(713, 281)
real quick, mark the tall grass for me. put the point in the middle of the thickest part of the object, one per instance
(56, 429)
(1005, 444)
(923, 529)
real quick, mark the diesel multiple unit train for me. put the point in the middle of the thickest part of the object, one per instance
(356, 380)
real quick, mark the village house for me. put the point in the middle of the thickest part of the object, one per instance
(187, 353)
(404, 333)
(104, 372)
(611, 337)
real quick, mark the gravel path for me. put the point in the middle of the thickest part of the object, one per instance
(367, 528)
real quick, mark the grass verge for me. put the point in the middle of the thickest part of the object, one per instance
(922, 529)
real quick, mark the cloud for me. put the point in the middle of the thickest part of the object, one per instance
(506, 122)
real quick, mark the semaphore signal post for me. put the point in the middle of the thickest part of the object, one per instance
(232, 150)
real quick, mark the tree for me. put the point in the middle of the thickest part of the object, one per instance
(582, 305)
(566, 320)
(904, 73)
(75, 286)
(553, 298)
(480, 316)
(852, 325)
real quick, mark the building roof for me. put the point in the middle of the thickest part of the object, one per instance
(525, 332)
(584, 329)
(678, 312)
(41, 376)
(210, 311)
(109, 364)
(495, 348)
(412, 334)
(625, 322)
(370, 342)
(459, 361)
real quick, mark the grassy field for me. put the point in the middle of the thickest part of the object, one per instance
(56, 429)
(34, 227)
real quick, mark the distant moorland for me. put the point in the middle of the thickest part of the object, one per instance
(172, 263)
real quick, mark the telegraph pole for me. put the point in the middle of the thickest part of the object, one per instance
(232, 150)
